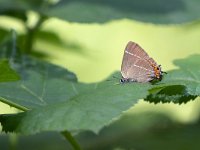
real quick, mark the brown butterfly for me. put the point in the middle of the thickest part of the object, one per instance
(137, 66)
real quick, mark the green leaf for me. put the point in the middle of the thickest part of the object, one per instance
(58, 104)
(90, 11)
(8, 47)
(167, 94)
(91, 108)
(67, 105)
(18, 8)
(24, 64)
(71, 106)
(3, 34)
(156, 11)
(14, 8)
(146, 131)
(188, 74)
(180, 85)
(41, 83)
(6, 73)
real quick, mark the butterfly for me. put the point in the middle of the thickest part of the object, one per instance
(137, 66)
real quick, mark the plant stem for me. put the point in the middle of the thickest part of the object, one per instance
(71, 140)
(13, 138)
(13, 104)
(30, 34)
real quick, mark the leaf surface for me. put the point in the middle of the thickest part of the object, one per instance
(6, 73)
(79, 107)
(180, 85)
(58, 104)
(41, 83)
(90, 11)
(155, 11)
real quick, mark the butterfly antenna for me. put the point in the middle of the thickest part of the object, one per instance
(164, 72)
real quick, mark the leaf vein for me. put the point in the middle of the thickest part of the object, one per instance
(74, 88)
(44, 85)
(32, 93)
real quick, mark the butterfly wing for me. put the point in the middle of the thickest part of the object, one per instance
(141, 71)
(136, 64)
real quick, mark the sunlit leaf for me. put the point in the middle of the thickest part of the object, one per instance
(6, 73)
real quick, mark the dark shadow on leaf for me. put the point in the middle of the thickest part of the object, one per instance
(152, 131)
(15, 13)
(173, 93)
(7, 125)
(42, 141)
(3, 34)
(7, 6)
(156, 11)
(135, 6)
(7, 50)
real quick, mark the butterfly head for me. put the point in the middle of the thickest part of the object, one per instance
(158, 73)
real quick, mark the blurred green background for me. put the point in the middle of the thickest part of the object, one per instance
(93, 51)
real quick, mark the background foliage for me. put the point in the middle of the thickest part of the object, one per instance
(87, 50)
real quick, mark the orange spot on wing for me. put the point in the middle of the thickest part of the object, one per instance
(157, 72)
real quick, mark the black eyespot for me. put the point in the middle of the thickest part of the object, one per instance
(158, 68)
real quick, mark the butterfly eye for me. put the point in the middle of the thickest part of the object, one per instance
(122, 80)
